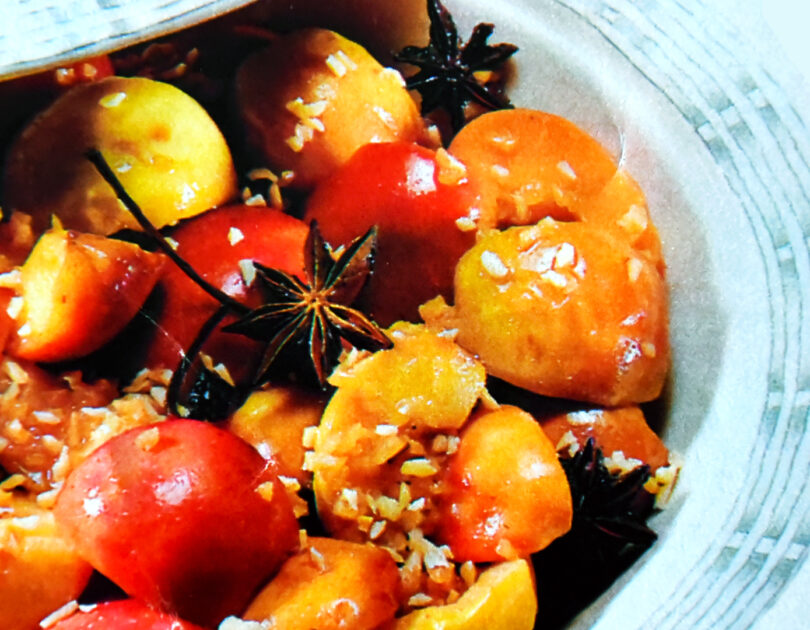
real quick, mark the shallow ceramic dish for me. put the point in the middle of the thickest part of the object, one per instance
(723, 156)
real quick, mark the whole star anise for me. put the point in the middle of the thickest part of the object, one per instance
(446, 76)
(297, 319)
(315, 313)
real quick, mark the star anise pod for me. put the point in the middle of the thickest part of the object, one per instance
(312, 317)
(607, 535)
(611, 504)
(315, 314)
(446, 76)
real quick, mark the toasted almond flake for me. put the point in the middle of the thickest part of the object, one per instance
(236, 623)
(336, 66)
(505, 550)
(248, 271)
(46, 417)
(11, 279)
(52, 444)
(112, 100)
(389, 508)
(386, 429)
(318, 559)
(555, 278)
(521, 207)
(276, 201)
(25, 523)
(385, 116)
(394, 75)
(466, 224)
(635, 220)
(419, 467)
(420, 600)
(468, 573)
(309, 436)
(47, 499)
(434, 136)
(313, 461)
(254, 201)
(17, 432)
(15, 306)
(262, 173)
(499, 170)
(376, 530)
(493, 265)
(565, 256)
(648, 349)
(439, 444)
(634, 268)
(346, 60)
(235, 235)
(59, 614)
(618, 463)
(266, 490)
(566, 441)
(148, 439)
(451, 171)
(565, 168)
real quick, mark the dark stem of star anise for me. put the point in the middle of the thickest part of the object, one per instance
(314, 314)
(95, 156)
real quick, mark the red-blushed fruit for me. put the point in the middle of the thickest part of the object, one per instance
(421, 201)
(78, 291)
(125, 614)
(214, 244)
(507, 494)
(181, 514)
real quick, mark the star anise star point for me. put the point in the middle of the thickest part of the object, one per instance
(316, 313)
(446, 76)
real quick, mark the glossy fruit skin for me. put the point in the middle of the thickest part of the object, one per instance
(345, 99)
(79, 290)
(213, 244)
(507, 493)
(162, 145)
(125, 614)
(502, 598)
(181, 514)
(563, 309)
(531, 164)
(416, 201)
(39, 569)
(330, 585)
(621, 429)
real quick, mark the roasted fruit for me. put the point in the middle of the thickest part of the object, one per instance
(531, 164)
(422, 204)
(181, 514)
(329, 585)
(502, 598)
(163, 145)
(563, 309)
(376, 437)
(499, 449)
(39, 570)
(614, 430)
(214, 244)
(126, 614)
(77, 292)
(325, 97)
